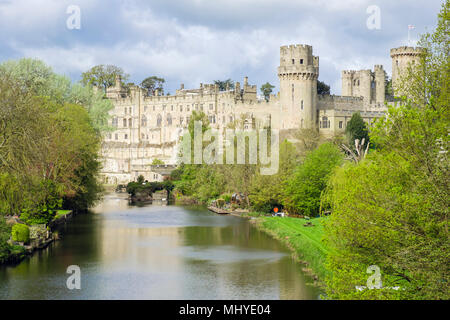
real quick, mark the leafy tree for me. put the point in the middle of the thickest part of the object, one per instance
(267, 191)
(103, 76)
(322, 88)
(157, 162)
(356, 129)
(304, 188)
(391, 210)
(224, 83)
(153, 83)
(266, 90)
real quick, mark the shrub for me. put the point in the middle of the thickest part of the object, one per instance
(20, 233)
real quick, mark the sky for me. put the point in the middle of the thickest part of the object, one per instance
(199, 41)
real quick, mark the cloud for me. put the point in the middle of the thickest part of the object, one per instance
(200, 41)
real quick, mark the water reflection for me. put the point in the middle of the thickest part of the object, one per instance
(156, 252)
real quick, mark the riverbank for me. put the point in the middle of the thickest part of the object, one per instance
(15, 253)
(305, 241)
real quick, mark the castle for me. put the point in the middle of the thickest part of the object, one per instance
(150, 127)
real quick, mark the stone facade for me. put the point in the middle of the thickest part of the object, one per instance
(150, 127)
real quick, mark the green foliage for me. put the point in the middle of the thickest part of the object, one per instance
(356, 129)
(5, 233)
(103, 76)
(391, 210)
(134, 188)
(55, 154)
(20, 233)
(322, 88)
(304, 188)
(10, 195)
(153, 83)
(268, 191)
(223, 84)
(157, 162)
(266, 90)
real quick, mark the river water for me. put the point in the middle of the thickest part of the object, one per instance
(158, 252)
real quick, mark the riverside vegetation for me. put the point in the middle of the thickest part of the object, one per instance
(50, 136)
(388, 209)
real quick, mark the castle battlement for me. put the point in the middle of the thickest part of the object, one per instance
(414, 51)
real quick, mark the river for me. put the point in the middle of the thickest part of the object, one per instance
(158, 252)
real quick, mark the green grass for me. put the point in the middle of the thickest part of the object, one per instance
(305, 242)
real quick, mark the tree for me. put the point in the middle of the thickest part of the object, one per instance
(391, 209)
(304, 188)
(356, 129)
(157, 161)
(37, 79)
(322, 88)
(223, 84)
(267, 191)
(103, 76)
(266, 90)
(153, 83)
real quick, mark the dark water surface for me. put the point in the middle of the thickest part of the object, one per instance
(159, 252)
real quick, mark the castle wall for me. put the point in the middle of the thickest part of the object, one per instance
(150, 127)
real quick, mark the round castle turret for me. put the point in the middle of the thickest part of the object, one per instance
(403, 57)
(298, 73)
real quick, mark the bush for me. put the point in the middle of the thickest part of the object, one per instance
(20, 233)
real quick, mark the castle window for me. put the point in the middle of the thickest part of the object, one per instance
(231, 119)
(109, 136)
(131, 110)
(126, 109)
(358, 82)
(181, 108)
(115, 122)
(302, 105)
(169, 120)
(293, 61)
(210, 106)
(171, 108)
(396, 63)
(325, 122)
(116, 136)
(142, 136)
(144, 121)
(124, 123)
(340, 124)
(145, 109)
(126, 136)
(301, 61)
(158, 120)
(130, 122)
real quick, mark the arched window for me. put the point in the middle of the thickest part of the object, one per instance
(130, 122)
(169, 119)
(124, 123)
(159, 121)
(144, 121)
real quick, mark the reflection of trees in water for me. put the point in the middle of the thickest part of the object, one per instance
(80, 243)
(248, 276)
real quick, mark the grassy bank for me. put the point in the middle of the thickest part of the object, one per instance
(305, 242)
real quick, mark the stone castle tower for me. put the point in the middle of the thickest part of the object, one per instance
(402, 58)
(298, 73)
(366, 84)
